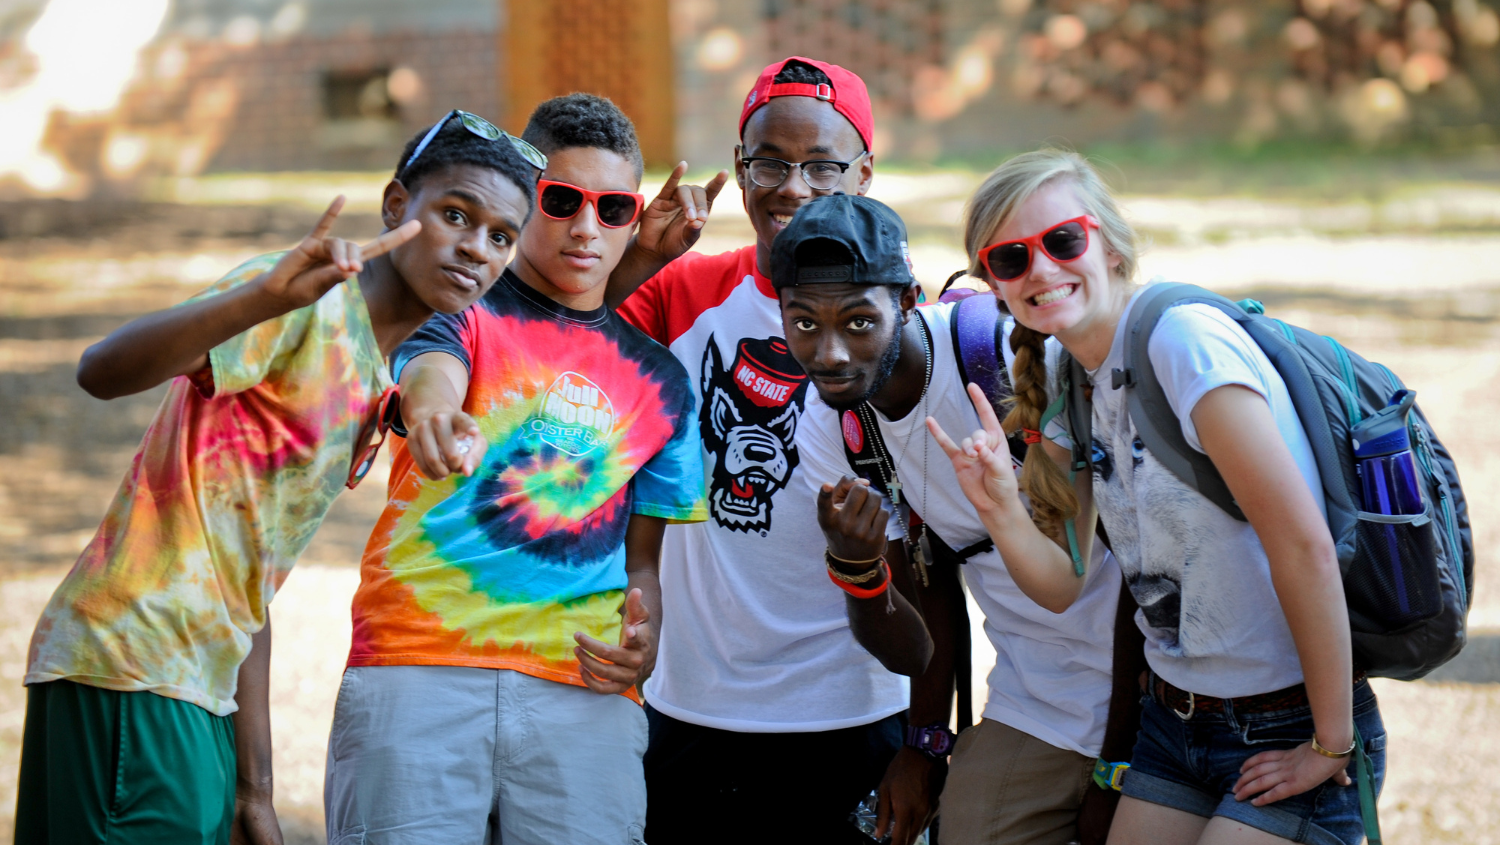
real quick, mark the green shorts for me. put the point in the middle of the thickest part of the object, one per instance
(100, 766)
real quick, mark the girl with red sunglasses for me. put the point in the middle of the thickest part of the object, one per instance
(1252, 702)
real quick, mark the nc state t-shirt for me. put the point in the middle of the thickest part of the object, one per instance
(754, 638)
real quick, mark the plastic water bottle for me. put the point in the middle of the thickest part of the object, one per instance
(1387, 468)
(1388, 481)
(864, 815)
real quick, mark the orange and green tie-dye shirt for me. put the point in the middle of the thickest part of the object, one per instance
(588, 421)
(230, 483)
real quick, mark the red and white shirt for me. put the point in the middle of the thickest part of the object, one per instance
(754, 637)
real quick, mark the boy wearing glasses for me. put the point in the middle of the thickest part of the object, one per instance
(508, 598)
(764, 705)
(147, 703)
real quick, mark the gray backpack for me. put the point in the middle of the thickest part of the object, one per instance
(1333, 389)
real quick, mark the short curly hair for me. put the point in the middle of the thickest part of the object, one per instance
(453, 145)
(584, 120)
(801, 73)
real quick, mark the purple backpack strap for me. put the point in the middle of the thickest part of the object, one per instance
(977, 327)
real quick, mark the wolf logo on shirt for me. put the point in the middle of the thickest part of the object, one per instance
(748, 420)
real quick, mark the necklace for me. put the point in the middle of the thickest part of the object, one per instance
(916, 547)
(895, 484)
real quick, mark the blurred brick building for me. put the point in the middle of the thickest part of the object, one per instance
(340, 84)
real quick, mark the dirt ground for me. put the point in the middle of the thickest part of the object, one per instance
(1387, 275)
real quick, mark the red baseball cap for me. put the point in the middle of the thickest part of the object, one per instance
(847, 95)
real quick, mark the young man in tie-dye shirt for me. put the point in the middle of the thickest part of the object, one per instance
(147, 703)
(508, 600)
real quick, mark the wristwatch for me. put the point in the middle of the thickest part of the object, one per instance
(936, 741)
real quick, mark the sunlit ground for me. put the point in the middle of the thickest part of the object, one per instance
(1408, 274)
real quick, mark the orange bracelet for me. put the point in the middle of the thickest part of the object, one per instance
(862, 592)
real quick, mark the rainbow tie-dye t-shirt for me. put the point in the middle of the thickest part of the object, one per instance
(232, 479)
(588, 421)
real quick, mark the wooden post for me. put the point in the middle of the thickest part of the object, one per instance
(622, 51)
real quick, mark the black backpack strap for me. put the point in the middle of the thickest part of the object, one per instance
(1078, 411)
(871, 459)
(1155, 422)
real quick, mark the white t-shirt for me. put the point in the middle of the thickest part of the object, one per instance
(1052, 670)
(1212, 621)
(754, 637)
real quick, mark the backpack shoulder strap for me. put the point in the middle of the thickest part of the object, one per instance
(1155, 422)
(977, 326)
(978, 331)
(865, 449)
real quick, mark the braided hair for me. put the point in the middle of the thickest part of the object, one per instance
(1053, 500)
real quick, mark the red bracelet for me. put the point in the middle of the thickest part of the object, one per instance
(862, 592)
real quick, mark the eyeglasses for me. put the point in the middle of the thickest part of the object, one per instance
(819, 174)
(1067, 241)
(372, 434)
(614, 209)
(484, 129)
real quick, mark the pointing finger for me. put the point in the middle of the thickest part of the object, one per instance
(325, 223)
(392, 239)
(670, 188)
(712, 189)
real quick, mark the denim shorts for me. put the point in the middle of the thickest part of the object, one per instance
(1192, 765)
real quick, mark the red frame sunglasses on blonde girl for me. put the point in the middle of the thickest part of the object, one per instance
(613, 209)
(1008, 261)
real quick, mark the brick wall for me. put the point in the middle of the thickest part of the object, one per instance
(212, 106)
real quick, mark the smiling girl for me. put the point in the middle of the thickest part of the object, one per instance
(1252, 701)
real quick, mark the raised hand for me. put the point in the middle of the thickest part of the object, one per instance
(982, 462)
(445, 443)
(319, 262)
(608, 669)
(853, 517)
(672, 222)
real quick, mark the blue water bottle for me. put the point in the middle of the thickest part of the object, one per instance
(1388, 482)
(1387, 468)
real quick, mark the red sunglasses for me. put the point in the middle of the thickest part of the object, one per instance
(372, 434)
(1067, 241)
(614, 209)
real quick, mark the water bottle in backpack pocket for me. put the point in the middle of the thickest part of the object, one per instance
(1395, 526)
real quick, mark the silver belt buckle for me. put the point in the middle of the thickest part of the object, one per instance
(1188, 714)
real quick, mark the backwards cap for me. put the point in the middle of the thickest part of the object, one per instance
(871, 236)
(847, 95)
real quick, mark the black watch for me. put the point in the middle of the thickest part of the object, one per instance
(936, 741)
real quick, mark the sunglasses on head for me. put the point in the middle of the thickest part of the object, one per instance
(372, 435)
(1067, 241)
(614, 209)
(484, 129)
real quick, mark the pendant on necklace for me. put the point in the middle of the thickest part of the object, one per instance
(895, 487)
(920, 552)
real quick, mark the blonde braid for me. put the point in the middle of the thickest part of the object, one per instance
(1053, 500)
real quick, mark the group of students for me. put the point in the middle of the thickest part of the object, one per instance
(754, 481)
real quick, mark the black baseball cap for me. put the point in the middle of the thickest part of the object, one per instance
(842, 239)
